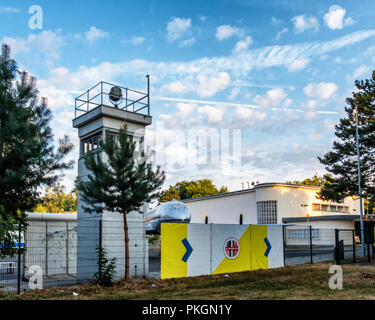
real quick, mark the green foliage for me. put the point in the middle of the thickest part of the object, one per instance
(153, 238)
(8, 237)
(27, 156)
(107, 268)
(314, 181)
(341, 162)
(55, 200)
(191, 189)
(124, 182)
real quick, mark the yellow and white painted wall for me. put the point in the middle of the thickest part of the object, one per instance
(204, 249)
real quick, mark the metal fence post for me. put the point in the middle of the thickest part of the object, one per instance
(368, 244)
(19, 260)
(354, 247)
(67, 248)
(311, 249)
(284, 244)
(337, 249)
(46, 248)
(100, 248)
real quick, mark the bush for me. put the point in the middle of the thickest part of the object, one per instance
(106, 273)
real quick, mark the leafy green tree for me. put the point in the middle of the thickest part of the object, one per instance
(27, 156)
(121, 184)
(314, 181)
(191, 189)
(55, 200)
(341, 162)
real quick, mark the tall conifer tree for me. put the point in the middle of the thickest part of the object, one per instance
(342, 160)
(122, 183)
(27, 156)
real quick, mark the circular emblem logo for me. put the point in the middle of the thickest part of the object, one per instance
(231, 248)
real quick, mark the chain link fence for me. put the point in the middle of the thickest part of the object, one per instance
(52, 252)
(307, 244)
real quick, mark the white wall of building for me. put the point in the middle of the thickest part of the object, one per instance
(292, 202)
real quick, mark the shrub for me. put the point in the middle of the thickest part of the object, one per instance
(106, 273)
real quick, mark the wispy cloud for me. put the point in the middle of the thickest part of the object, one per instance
(303, 23)
(95, 33)
(9, 10)
(177, 27)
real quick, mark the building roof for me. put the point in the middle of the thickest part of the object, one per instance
(322, 218)
(257, 186)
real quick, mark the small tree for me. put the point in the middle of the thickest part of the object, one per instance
(122, 183)
(107, 268)
(341, 162)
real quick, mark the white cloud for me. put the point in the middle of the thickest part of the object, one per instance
(303, 23)
(187, 42)
(213, 114)
(227, 31)
(358, 72)
(94, 34)
(136, 40)
(242, 45)
(321, 91)
(275, 21)
(176, 87)
(246, 114)
(272, 98)
(185, 108)
(236, 65)
(288, 102)
(280, 33)
(47, 41)
(334, 18)
(234, 92)
(298, 64)
(177, 27)
(209, 86)
(9, 10)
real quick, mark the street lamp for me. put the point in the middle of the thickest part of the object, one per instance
(359, 182)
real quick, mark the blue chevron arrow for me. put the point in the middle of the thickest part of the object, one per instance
(189, 250)
(269, 247)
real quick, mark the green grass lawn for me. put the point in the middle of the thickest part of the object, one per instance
(291, 282)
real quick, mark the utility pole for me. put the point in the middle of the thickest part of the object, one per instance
(359, 182)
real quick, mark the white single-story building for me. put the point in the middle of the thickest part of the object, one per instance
(276, 203)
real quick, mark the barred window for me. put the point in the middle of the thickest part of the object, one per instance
(267, 212)
(303, 233)
(90, 143)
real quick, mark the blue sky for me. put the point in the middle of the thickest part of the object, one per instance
(278, 72)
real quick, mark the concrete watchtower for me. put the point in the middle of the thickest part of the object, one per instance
(105, 109)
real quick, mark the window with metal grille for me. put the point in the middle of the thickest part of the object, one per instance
(267, 212)
(90, 143)
(303, 233)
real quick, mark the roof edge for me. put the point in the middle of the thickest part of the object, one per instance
(260, 185)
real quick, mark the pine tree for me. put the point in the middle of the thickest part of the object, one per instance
(342, 160)
(121, 184)
(27, 156)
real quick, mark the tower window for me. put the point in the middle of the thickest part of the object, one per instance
(90, 143)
